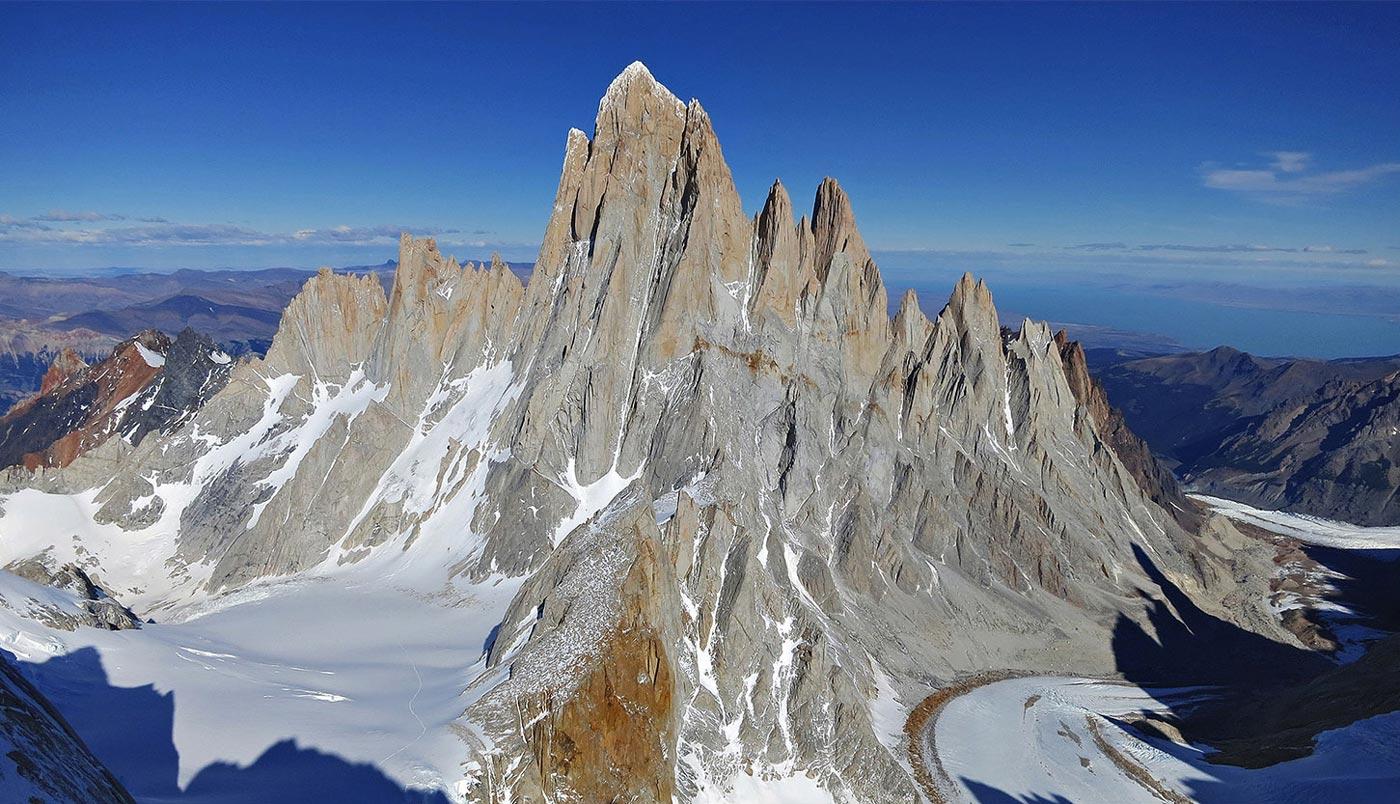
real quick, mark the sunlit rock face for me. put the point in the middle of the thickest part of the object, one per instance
(749, 507)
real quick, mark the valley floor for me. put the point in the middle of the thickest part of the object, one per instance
(316, 689)
(1051, 739)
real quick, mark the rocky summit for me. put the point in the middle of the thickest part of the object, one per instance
(744, 516)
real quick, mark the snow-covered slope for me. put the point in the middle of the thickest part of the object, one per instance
(347, 665)
(1048, 738)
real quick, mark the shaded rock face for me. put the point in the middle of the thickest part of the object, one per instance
(743, 502)
(1151, 475)
(43, 758)
(149, 383)
(1312, 436)
(1336, 455)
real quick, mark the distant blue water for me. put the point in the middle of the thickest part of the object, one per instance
(1193, 324)
(1201, 325)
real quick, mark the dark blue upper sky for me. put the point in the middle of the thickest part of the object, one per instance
(1156, 140)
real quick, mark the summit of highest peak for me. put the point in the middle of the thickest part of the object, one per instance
(634, 78)
(633, 72)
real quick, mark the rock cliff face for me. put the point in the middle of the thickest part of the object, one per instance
(1151, 475)
(88, 605)
(745, 508)
(64, 366)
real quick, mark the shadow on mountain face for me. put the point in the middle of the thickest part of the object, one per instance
(1369, 587)
(986, 794)
(490, 641)
(1194, 647)
(131, 730)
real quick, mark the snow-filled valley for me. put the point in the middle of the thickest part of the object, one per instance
(1311, 529)
(343, 682)
(363, 678)
(1048, 739)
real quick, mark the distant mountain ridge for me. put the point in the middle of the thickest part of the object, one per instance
(40, 316)
(1335, 454)
(238, 328)
(1312, 436)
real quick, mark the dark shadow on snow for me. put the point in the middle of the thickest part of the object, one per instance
(986, 794)
(1193, 647)
(131, 730)
(288, 773)
(1371, 587)
(1272, 699)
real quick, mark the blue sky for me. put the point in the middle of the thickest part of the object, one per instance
(1150, 142)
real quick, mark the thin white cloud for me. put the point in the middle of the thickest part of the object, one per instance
(1151, 259)
(1289, 178)
(64, 216)
(1115, 246)
(162, 232)
(11, 223)
(1237, 248)
(153, 234)
(1290, 161)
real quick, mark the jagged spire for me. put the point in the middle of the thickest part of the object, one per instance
(833, 222)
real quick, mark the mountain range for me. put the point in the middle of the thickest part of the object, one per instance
(1311, 436)
(42, 316)
(707, 522)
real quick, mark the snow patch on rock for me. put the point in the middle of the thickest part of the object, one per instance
(153, 358)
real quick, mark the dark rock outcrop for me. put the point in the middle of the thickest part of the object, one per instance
(148, 383)
(96, 608)
(44, 760)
